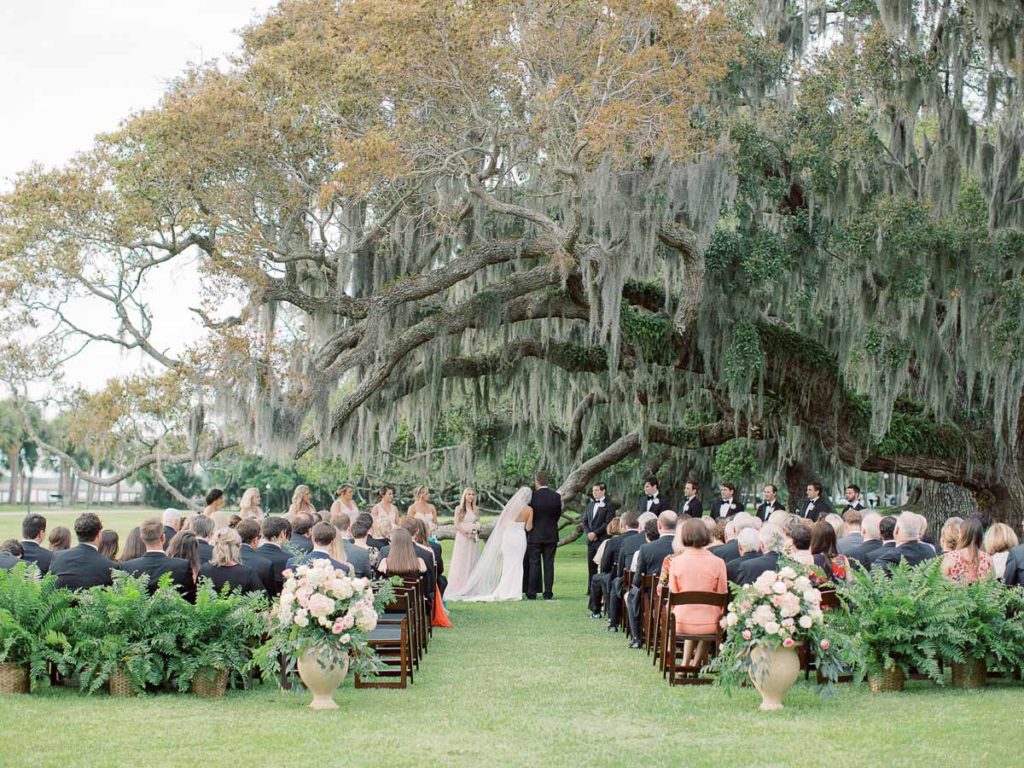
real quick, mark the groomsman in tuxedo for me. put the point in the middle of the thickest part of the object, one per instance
(599, 512)
(770, 504)
(33, 529)
(853, 498)
(817, 506)
(691, 503)
(651, 500)
(726, 505)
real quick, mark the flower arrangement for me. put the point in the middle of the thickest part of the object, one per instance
(324, 610)
(780, 609)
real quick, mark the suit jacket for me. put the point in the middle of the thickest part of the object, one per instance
(849, 542)
(240, 577)
(728, 551)
(816, 510)
(660, 504)
(754, 567)
(264, 568)
(309, 557)
(81, 567)
(764, 509)
(877, 552)
(155, 565)
(610, 556)
(912, 552)
(716, 509)
(631, 543)
(34, 553)
(435, 547)
(596, 519)
(861, 551)
(652, 555)
(169, 533)
(302, 543)
(359, 559)
(734, 567)
(7, 562)
(691, 507)
(547, 509)
(205, 551)
(279, 559)
(1014, 574)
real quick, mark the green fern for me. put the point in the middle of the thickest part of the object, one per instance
(35, 619)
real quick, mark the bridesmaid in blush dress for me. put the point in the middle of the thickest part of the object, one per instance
(466, 551)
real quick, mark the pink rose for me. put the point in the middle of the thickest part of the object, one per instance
(825, 644)
(787, 643)
(746, 634)
(336, 629)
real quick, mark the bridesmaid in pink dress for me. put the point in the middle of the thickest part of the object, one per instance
(467, 542)
(695, 569)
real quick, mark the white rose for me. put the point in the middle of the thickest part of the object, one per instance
(812, 596)
(731, 620)
(772, 628)
(778, 588)
(301, 620)
(806, 622)
(787, 573)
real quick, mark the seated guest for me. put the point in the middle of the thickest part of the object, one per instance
(999, 540)
(780, 518)
(302, 524)
(729, 551)
(418, 531)
(834, 566)
(800, 540)
(83, 566)
(134, 546)
(225, 568)
(909, 547)
(8, 561)
(418, 528)
(277, 531)
(13, 548)
(949, 536)
(249, 532)
(356, 556)
(695, 569)
(749, 546)
(969, 562)
(108, 543)
(886, 529)
(631, 541)
(379, 538)
(402, 559)
(202, 527)
(59, 539)
(772, 541)
(322, 537)
(185, 546)
(871, 538)
(1013, 576)
(649, 561)
(836, 522)
(33, 530)
(154, 563)
(234, 520)
(600, 584)
(853, 537)
(711, 524)
(727, 504)
(172, 524)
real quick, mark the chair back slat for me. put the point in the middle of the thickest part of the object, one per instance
(718, 599)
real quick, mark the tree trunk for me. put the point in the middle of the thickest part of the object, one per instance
(12, 461)
(28, 490)
(797, 475)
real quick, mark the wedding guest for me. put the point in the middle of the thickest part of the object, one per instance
(202, 527)
(800, 539)
(172, 524)
(417, 529)
(730, 551)
(154, 562)
(249, 506)
(33, 530)
(772, 542)
(1013, 576)
(7, 561)
(225, 568)
(909, 547)
(834, 566)
(836, 522)
(354, 555)
(871, 538)
(214, 509)
(628, 543)
(749, 545)
(185, 546)
(853, 498)
(302, 524)
(108, 543)
(360, 530)
(999, 540)
(344, 502)
(422, 509)
(600, 585)
(249, 532)
(322, 537)
(695, 569)
(969, 562)
(600, 511)
(379, 538)
(83, 566)
(780, 518)
(817, 507)
(134, 546)
(853, 536)
(13, 548)
(59, 539)
(422, 540)
(402, 558)
(949, 536)
(276, 533)
(691, 501)
(651, 500)
(649, 560)
(302, 504)
(770, 504)
(711, 524)
(727, 504)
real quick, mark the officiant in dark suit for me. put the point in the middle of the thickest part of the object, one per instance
(599, 512)
(542, 540)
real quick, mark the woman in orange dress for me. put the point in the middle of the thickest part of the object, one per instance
(695, 569)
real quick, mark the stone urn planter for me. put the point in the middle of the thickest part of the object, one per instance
(773, 672)
(13, 678)
(210, 683)
(321, 678)
(119, 684)
(970, 675)
(891, 680)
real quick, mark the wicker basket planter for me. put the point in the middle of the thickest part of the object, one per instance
(14, 678)
(120, 684)
(210, 683)
(889, 681)
(969, 675)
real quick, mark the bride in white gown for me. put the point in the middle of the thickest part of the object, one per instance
(498, 574)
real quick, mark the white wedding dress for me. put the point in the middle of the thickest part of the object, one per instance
(498, 574)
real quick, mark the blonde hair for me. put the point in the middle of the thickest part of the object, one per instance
(949, 537)
(383, 526)
(297, 503)
(227, 547)
(460, 510)
(1000, 538)
(246, 504)
(418, 491)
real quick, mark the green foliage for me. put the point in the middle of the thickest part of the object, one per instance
(178, 475)
(35, 619)
(735, 462)
(650, 333)
(744, 357)
(991, 622)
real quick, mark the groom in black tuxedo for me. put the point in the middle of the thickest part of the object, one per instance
(542, 540)
(599, 512)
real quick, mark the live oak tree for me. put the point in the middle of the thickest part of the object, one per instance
(604, 228)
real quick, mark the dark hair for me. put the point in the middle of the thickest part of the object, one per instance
(361, 527)
(302, 524)
(773, 486)
(801, 536)
(541, 477)
(384, 490)
(248, 531)
(234, 520)
(651, 530)
(602, 486)
(887, 528)
(12, 547)
(402, 557)
(275, 526)
(693, 484)
(972, 532)
(856, 488)
(59, 538)
(134, 545)
(817, 486)
(630, 518)
(202, 526)
(108, 543)
(213, 495)
(416, 528)
(651, 480)
(823, 539)
(32, 526)
(323, 534)
(694, 533)
(730, 486)
(88, 526)
(185, 545)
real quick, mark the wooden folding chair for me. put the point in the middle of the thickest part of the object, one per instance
(648, 608)
(390, 643)
(398, 611)
(680, 674)
(627, 583)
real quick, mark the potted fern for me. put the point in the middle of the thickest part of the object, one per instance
(896, 622)
(217, 639)
(34, 621)
(992, 632)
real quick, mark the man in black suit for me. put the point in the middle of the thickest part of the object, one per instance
(749, 546)
(871, 538)
(249, 533)
(649, 560)
(601, 585)
(887, 530)
(7, 562)
(33, 530)
(730, 550)
(650, 500)
(172, 524)
(542, 541)
(853, 498)
(357, 555)
(615, 559)
(691, 502)
(909, 547)
(322, 535)
(817, 507)
(202, 527)
(83, 566)
(772, 543)
(770, 504)
(599, 512)
(726, 505)
(155, 563)
(301, 525)
(1013, 576)
(276, 533)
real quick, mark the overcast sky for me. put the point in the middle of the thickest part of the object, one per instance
(70, 69)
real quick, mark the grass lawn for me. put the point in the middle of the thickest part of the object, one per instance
(521, 684)
(121, 519)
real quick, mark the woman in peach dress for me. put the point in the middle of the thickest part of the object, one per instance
(466, 551)
(695, 569)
